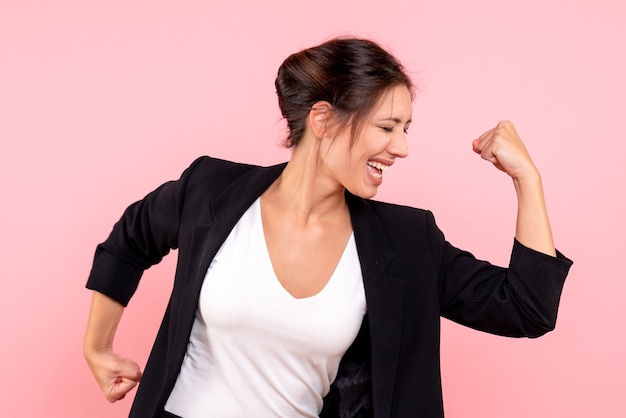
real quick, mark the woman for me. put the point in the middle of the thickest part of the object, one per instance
(297, 296)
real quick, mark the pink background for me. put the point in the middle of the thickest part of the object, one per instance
(102, 101)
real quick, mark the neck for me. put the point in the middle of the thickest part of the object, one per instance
(303, 191)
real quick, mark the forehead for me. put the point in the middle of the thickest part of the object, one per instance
(395, 103)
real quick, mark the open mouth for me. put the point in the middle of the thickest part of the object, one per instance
(376, 169)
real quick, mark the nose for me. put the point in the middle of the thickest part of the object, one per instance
(399, 145)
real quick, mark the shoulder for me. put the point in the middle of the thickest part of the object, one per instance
(396, 224)
(391, 214)
(208, 177)
(212, 172)
(209, 166)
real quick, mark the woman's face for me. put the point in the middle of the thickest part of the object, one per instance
(360, 166)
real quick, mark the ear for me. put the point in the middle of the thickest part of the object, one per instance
(319, 118)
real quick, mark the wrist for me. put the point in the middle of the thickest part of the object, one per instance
(529, 178)
(90, 349)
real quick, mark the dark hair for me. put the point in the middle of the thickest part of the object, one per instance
(351, 74)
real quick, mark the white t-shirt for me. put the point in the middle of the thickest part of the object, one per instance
(254, 349)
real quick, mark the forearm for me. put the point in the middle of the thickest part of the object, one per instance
(533, 225)
(104, 316)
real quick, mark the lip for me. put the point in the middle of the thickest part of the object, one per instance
(376, 168)
(380, 161)
(380, 164)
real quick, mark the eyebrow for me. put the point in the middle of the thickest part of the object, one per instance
(396, 120)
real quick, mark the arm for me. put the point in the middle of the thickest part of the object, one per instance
(503, 147)
(144, 234)
(115, 375)
(523, 299)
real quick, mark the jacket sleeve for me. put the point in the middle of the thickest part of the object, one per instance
(519, 301)
(146, 232)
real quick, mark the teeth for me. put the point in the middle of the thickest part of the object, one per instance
(375, 164)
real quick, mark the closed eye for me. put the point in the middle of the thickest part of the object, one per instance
(389, 129)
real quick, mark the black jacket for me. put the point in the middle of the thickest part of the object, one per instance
(411, 274)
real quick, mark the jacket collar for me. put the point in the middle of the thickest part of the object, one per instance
(231, 203)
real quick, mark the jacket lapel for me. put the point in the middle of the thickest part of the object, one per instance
(384, 296)
(225, 210)
(206, 239)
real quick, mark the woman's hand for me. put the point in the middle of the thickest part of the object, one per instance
(503, 147)
(115, 375)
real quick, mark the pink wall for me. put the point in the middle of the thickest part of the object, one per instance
(100, 103)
